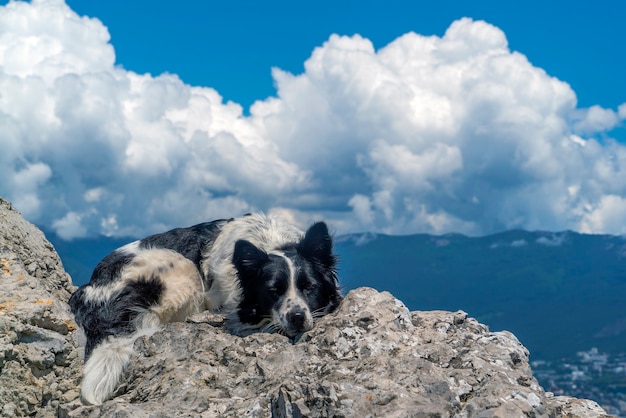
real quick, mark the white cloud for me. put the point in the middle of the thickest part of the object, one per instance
(24, 183)
(552, 240)
(362, 208)
(596, 119)
(70, 226)
(451, 133)
(621, 111)
(606, 216)
(428, 134)
(111, 151)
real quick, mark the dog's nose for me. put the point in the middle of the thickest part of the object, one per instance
(296, 319)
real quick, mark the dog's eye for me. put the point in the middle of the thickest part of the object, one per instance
(308, 286)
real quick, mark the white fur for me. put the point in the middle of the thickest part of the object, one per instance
(103, 293)
(183, 294)
(290, 299)
(104, 369)
(130, 248)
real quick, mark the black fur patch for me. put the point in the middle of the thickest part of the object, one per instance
(190, 242)
(264, 279)
(109, 268)
(116, 315)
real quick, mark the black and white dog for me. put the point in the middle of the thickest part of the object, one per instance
(261, 272)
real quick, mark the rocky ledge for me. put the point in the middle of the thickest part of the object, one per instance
(372, 357)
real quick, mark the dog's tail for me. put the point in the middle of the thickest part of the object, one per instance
(105, 367)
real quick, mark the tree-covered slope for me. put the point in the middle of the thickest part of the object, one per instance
(558, 292)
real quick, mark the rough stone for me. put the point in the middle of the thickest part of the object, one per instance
(33, 252)
(39, 360)
(370, 358)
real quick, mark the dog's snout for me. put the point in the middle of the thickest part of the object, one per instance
(296, 318)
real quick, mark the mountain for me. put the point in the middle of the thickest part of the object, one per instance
(558, 292)
(80, 256)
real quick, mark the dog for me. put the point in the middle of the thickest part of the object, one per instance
(262, 273)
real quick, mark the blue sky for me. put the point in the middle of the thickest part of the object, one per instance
(232, 46)
(394, 117)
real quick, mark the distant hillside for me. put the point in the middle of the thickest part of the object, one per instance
(81, 256)
(558, 292)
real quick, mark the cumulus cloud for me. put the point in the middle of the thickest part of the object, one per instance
(452, 133)
(427, 134)
(605, 216)
(89, 147)
(597, 119)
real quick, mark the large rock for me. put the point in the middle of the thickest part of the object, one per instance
(39, 362)
(33, 252)
(370, 358)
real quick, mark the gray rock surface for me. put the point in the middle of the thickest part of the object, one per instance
(39, 361)
(34, 252)
(370, 358)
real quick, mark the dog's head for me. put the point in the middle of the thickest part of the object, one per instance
(287, 289)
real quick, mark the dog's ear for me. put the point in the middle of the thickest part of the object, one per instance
(317, 244)
(247, 258)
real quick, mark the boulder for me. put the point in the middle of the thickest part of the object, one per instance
(372, 357)
(33, 252)
(40, 365)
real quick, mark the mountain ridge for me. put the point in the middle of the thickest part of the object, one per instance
(513, 280)
(559, 292)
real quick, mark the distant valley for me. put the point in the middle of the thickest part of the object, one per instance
(557, 292)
